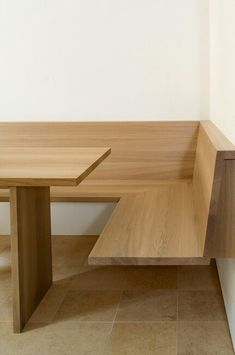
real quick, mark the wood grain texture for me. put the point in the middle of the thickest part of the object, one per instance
(218, 139)
(99, 190)
(173, 223)
(151, 228)
(203, 180)
(148, 157)
(221, 242)
(213, 151)
(48, 166)
(107, 190)
(140, 150)
(31, 250)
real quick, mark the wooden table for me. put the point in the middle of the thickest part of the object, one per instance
(29, 173)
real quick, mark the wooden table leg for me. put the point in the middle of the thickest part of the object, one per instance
(31, 250)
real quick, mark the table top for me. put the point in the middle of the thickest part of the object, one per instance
(48, 166)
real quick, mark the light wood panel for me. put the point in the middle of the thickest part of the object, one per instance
(107, 190)
(147, 159)
(30, 250)
(140, 150)
(213, 150)
(221, 242)
(218, 139)
(151, 228)
(177, 222)
(29, 172)
(99, 190)
(48, 166)
(206, 163)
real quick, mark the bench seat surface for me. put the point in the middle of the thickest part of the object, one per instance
(150, 228)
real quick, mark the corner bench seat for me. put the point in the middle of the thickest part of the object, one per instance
(161, 211)
(174, 183)
(152, 228)
(179, 223)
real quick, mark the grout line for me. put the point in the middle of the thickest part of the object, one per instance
(146, 321)
(112, 323)
(118, 305)
(121, 322)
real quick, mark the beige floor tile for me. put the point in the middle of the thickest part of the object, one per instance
(203, 277)
(5, 277)
(30, 342)
(4, 242)
(5, 266)
(77, 313)
(77, 338)
(201, 306)
(131, 277)
(150, 277)
(89, 306)
(70, 250)
(48, 307)
(64, 274)
(166, 338)
(55, 339)
(142, 339)
(149, 305)
(5, 256)
(100, 278)
(87, 267)
(204, 338)
(5, 305)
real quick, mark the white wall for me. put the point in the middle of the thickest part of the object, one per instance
(80, 218)
(103, 60)
(222, 112)
(68, 218)
(222, 65)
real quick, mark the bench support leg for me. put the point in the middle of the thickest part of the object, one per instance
(31, 250)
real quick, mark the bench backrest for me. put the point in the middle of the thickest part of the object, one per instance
(140, 150)
(214, 190)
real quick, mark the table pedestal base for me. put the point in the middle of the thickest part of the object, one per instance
(31, 250)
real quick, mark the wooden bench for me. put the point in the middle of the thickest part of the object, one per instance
(174, 183)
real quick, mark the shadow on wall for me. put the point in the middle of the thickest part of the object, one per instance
(4, 218)
(85, 218)
(72, 218)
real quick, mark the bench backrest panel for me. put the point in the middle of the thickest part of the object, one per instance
(203, 181)
(222, 243)
(213, 151)
(140, 150)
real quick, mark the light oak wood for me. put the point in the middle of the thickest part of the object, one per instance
(206, 165)
(177, 222)
(151, 228)
(147, 161)
(29, 172)
(48, 166)
(107, 190)
(221, 242)
(30, 250)
(212, 190)
(140, 150)
(100, 190)
(218, 139)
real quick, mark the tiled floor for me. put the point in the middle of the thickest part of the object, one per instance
(117, 310)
